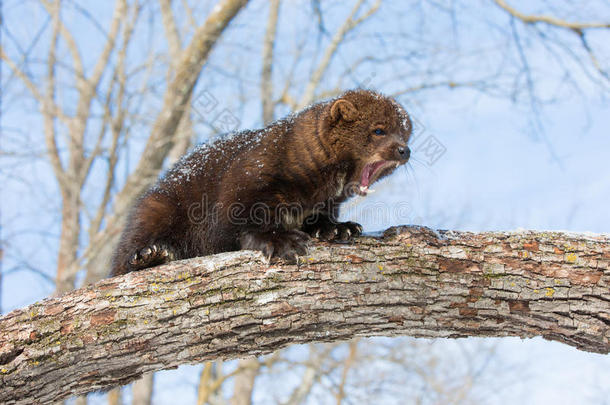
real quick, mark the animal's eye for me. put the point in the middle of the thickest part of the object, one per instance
(379, 131)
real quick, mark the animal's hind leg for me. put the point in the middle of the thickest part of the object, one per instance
(148, 238)
(152, 255)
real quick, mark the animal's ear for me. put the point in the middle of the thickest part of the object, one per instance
(343, 109)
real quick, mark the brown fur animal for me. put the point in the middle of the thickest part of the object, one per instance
(269, 189)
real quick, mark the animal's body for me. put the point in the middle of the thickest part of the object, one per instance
(268, 189)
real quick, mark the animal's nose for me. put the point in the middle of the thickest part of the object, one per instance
(404, 152)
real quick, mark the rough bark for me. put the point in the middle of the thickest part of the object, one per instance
(410, 281)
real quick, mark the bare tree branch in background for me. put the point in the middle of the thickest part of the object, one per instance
(314, 370)
(244, 382)
(72, 175)
(184, 132)
(114, 397)
(211, 380)
(266, 78)
(350, 23)
(578, 28)
(347, 364)
(142, 390)
(533, 19)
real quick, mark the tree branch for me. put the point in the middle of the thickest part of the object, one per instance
(48, 106)
(174, 42)
(77, 61)
(266, 79)
(532, 19)
(410, 281)
(350, 23)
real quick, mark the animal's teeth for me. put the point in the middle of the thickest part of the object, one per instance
(370, 190)
(364, 189)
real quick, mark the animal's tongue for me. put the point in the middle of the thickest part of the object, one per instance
(368, 172)
(366, 175)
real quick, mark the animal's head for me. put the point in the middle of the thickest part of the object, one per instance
(372, 131)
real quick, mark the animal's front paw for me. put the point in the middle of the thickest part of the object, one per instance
(284, 244)
(334, 231)
(150, 256)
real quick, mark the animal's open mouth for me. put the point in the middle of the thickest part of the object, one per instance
(371, 172)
